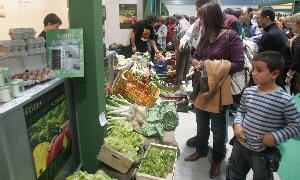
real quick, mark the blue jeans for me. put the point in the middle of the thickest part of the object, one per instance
(242, 159)
(218, 127)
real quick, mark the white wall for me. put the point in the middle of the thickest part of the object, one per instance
(30, 13)
(189, 10)
(113, 33)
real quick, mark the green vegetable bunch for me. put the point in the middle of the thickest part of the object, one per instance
(123, 139)
(159, 118)
(158, 162)
(117, 108)
(79, 175)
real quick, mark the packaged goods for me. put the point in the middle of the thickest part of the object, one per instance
(4, 71)
(17, 87)
(5, 95)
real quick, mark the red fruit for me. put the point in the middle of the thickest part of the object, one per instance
(58, 144)
(127, 20)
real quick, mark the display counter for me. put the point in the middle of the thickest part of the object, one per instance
(38, 137)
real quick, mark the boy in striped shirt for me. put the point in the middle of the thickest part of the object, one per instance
(267, 117)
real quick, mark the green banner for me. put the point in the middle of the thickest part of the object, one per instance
(65, 53)
(49, 132)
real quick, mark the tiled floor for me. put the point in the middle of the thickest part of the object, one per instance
(198, 170)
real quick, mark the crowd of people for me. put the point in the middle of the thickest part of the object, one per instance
(216, 45)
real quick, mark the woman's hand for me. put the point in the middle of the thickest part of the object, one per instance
(288, 80)
(197, 64)
(239, 132)
(289, 76)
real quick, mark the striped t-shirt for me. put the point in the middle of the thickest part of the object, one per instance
(262, 113)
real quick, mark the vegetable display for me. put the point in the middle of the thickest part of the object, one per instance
(158, 162)
(159, 118)
(134, 90)
(117, 108)
(167, 87)
(122, 139)
(79, 175)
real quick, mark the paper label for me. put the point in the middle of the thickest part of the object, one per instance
(102, 119)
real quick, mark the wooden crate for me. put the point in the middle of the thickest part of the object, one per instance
(114, 159)
(170, 176)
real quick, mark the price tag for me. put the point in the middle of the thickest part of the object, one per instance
(102, 119)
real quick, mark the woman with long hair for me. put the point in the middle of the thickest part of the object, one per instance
(216, 43)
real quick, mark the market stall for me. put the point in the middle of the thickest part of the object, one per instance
(141, 110)
(57, 120)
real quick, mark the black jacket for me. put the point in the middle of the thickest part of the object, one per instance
(274, 39)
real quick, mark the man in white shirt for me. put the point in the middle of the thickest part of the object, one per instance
(182, 26)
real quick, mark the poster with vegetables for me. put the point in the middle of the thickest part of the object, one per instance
(127, 15)
(49, 132)
(65, 53)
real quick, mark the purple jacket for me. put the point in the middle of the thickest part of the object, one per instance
(218, 50)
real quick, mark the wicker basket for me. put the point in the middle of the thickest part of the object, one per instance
(134, 90)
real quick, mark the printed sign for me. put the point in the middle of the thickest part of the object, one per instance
(49, 132)
(65, 52)
(127, 15)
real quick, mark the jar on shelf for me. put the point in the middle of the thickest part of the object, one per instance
(5, 95)
(17, 87)
(4, 71)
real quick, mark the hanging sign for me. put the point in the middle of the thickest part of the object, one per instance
(65, 53)
(127, 15)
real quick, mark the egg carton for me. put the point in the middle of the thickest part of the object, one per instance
(21, 33)
(45, 78)
(35, 76)
(35, 43)
(25, 76)
(12, 48)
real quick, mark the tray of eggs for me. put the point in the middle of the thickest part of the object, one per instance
(35, 76)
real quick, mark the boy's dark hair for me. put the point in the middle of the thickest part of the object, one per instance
(52, 19)
(268, 12)
(200, 3)
(273, 59)
(151, 19)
